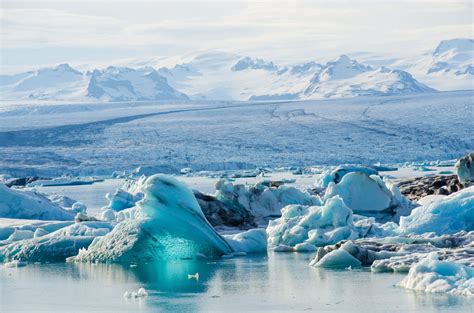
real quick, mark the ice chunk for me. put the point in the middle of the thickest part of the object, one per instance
(15, 263)
(136, 294)
(464, 168)
(316, 225)
(193, 276)
(448, 215)
(337, 259)
(121, 200)
(79, 207)
(39, 232)
(251, 241)
(56, 246)
(361, 192)
(170, 225)
(432, 275)
(21, 235)
(108, 215)
(262, 201)
(29, 205)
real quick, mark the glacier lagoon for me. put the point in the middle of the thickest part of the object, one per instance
(273, 282)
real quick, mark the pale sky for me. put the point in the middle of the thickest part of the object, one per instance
(37, 33)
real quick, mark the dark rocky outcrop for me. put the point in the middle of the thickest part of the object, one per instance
(416, 188)
(218, 214)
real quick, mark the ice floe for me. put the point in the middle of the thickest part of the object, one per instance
(433, 275)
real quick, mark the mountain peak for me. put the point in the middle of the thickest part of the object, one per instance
(460, 45)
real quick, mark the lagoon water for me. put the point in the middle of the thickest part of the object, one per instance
(275, 282)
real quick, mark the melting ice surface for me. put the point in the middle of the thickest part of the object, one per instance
(277, 282)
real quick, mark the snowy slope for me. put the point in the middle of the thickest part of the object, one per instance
(450, 66)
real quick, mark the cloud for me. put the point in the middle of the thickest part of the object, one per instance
(278, 30)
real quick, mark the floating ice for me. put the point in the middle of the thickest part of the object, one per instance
(121, 200)
(15, 263)
(136, 294)
(29, 205)
(262, 201)
(448, 215)
(465, 169)
(251, 241)
(432, 275)
(361, 192)
(193, 276)
(170, 225)
(337, 259)
(79, 207)
(316, 225)
(56, 246)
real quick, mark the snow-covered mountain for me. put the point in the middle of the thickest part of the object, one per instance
(450, 66)
(126, 84)
(220, 75)
(62, 82)
(348, 78)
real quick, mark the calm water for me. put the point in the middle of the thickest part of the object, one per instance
(278, 282)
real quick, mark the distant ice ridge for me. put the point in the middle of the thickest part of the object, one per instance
(433, 275)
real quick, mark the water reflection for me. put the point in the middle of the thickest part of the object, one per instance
(277, 282)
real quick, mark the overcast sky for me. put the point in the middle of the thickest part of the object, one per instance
(36, 33)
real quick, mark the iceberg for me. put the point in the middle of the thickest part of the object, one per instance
(464, 168)
(56, 246)
(337, 259)
(447, 215)
(30, 205)
(370, 196)
(433, 275)
(262, 201)
(170, 225)
(315, 225)
(251, 241)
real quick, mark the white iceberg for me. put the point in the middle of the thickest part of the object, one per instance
(170, 225)
(30, 205)
(432, 275)
(262, 201)
(251, 241)
(370, 195)
(337, 259)
(315, 225)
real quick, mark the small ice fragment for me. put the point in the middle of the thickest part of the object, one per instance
(135, 294)
(193, 276)
(16, 263)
